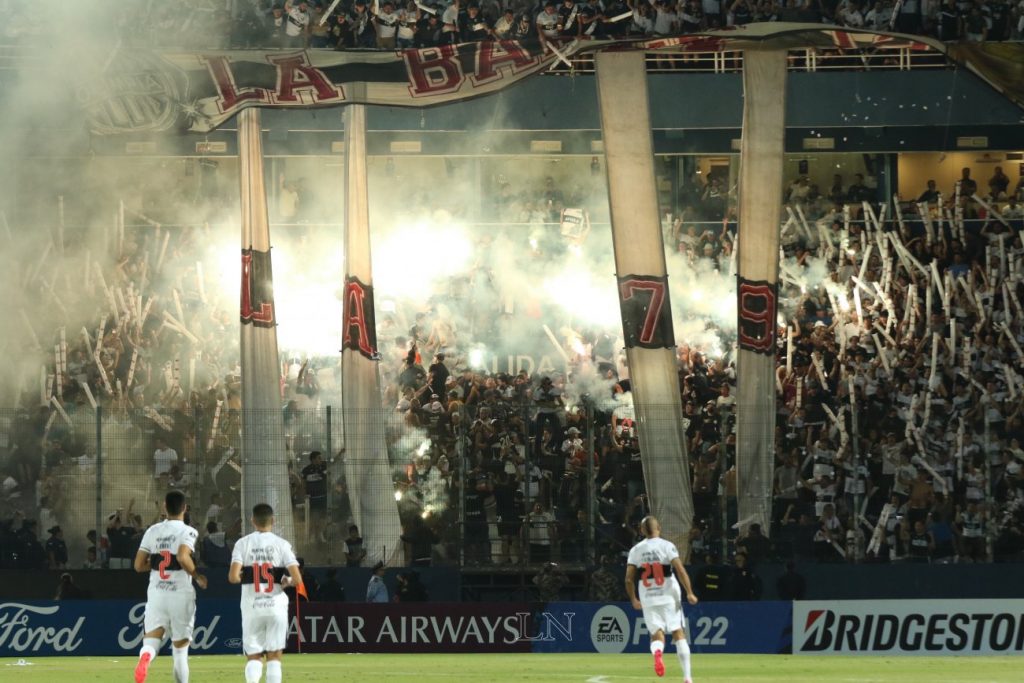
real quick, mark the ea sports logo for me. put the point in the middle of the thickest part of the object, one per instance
(609, 630)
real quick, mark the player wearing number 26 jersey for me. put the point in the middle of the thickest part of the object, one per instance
(658, 563)
(166, 554)
(265, 565)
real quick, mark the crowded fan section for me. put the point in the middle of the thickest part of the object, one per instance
(899, 382)
(390, 24)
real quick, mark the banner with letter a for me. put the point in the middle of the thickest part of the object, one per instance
(764, 88)
(367, 472)
(264, 455)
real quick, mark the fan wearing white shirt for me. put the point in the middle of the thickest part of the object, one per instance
(642, 22)
(664, 18)
(408, 19)
(503, 27)
(386, 22)
(164, 458)
(878, 16)
(850, 14)
(265, 565)
(297, 24)
(547, 23)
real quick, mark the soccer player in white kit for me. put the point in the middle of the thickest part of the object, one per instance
(166, 553)
(660, 596)
(265, 565)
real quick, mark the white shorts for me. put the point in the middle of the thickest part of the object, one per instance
(175, 613)
(264, 631)
(667, 617)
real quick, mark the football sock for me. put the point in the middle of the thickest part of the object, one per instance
(253, 671)
(657, 646)
(150, 645)
(683, 652)
(274, 672)
(180, 655)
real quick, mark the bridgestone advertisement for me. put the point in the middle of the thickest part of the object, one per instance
(909, 627)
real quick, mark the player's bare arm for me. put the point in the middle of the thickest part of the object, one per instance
(631, 586)
(684, 579)
(189, 565)
(142, 562)
(235, 573)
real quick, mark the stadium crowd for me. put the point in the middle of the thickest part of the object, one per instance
(898, 434)
(387, 24)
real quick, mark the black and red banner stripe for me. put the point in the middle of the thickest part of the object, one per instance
(756, 306)
(359, 325)
(257, 304)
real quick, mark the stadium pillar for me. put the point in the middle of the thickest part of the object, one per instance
(367, 472)
(264, 455)
(761, 157)
(643, 289)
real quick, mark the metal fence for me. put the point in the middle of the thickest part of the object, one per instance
(480, 485)
(493, 484)
(28, 56)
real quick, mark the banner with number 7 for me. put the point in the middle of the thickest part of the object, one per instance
(646, 313)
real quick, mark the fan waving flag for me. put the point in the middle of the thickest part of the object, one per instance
(300, 592)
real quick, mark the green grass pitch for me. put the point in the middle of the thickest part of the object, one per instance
(556, 668)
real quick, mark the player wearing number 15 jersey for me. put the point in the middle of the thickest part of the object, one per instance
(265, 565)
(660, 595)
(166, 554)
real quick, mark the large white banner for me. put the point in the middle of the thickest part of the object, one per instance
(761, 153)
(141, 91)
(908, 627)
(643, 290)
(264, 454)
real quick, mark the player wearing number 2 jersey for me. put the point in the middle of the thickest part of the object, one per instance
(660, 596)
(166, 553)
(265, 565)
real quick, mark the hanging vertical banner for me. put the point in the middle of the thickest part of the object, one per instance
(359, 328)
(367, 472)
(644, 299)
(264, 455)
(757, 264)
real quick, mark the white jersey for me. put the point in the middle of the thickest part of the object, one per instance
(658, 584)
(548, 24)
(261, 553)
(297, 22)
(162, 541)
